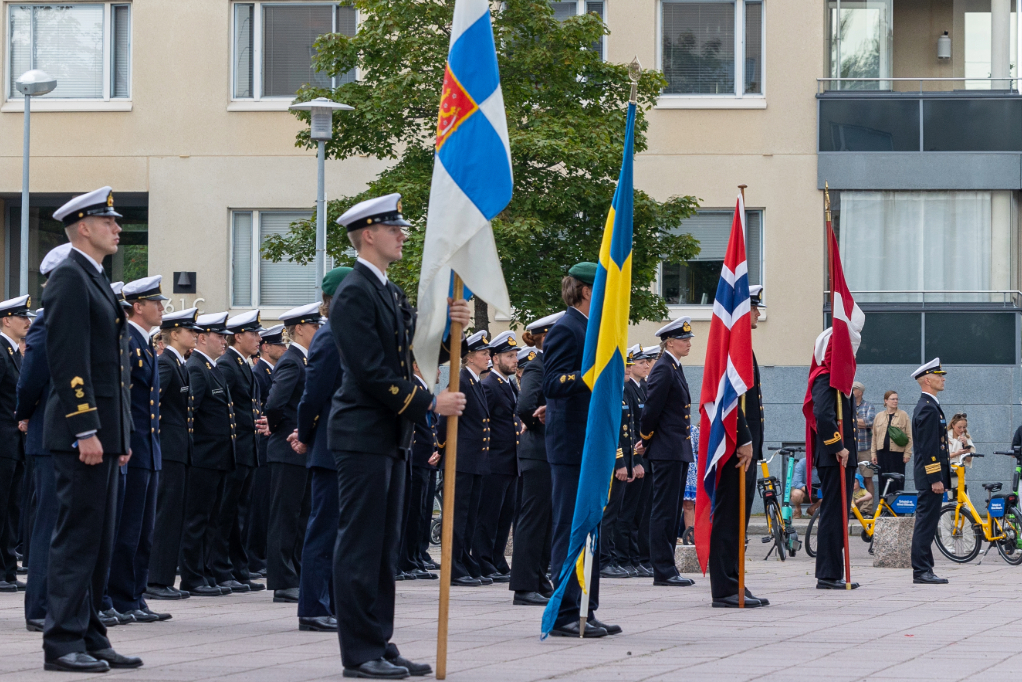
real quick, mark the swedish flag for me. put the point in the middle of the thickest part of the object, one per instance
(603, 370)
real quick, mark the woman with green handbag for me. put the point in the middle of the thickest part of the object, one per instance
(892, 441)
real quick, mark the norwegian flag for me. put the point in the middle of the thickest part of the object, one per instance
(727, 375)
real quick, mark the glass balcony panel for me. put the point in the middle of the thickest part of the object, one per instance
(891, 339)
(972, 125)
(869, 125)
(971, 338)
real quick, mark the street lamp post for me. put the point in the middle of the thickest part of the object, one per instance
(32, 83)
(322, 130)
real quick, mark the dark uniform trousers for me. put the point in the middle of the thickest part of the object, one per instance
(370, 494)
(427, 518)
(290, 504)
(410, 557)
(564, 479)
(668, 488)
(25, 511)
(230, 559)
(204, 497)
(12, 474)
(830, 537)
(496, 513)
(315, 596)
(928, 506)
(723, 561)
(530, 557)
(609, 551)
(169, 527)
(631, 521)
(42, 529)
(257, 516)
(80, 554)
(129, 567)
(468, 491)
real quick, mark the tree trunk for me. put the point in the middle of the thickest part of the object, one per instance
(482, 315)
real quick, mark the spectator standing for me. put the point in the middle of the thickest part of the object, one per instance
(887, 452)
(688, 503)
(864, 414)
(960, 446)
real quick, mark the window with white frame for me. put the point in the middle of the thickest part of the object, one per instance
(273, 46)
(85, 47)
(572, 8)
(695, 282)
(712, 47)
(257, 282)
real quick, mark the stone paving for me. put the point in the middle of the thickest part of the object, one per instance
(889, 629)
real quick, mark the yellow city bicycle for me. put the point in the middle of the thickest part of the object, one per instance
(961, 530)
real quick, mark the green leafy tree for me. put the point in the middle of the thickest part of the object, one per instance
(566, 111)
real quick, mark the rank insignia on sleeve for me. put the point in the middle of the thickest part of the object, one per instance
(835, 439)
(393, 390)
(77, 381)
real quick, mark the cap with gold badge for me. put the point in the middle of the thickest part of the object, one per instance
(385, 210)
(680, 328)
(99, 202)
(503, 342)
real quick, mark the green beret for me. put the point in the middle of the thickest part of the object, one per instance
(584, 272)
(332, 279)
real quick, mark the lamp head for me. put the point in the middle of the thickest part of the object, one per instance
(35, 83)
(322, 116)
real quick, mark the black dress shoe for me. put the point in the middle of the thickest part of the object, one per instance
(571, 630)
(290, 595)
(22, 570)
(260, 573)
(317, 624)
(108, 621)
(162, 592)
(762, 601)
(77, 662)
(630, 570)
(116, 660)
(644, 571)
(675, 581)
(424, 575)
(7, 587)
(499, 578)
(613, 572)
(150, 612)
(235, 586)
(731, 602)
(465, 581)
(380, 669)
(224, 591)
(929, 579)
(530, 599)
(205, 591)
(611, 629)
(414, 669)
(19, 585)
(122, 618)
(254, 587)
(833, 585)
(35, 624)
(141, 616)
(399, 576)
(485, 580)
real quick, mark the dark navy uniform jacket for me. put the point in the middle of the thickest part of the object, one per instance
(929, 437)
(175, 409)
(567, 396)
(828, 433)
(501, 399)
(145, 403)
(213, 415)
(473, 428)
(532, 443)
(665, 423)
(281, 405)
(12, 443)
(750, 422)
(625, 442)
(635, 394)
(263, 373)
(323, 377)
(425, 441)
(34, 386)
(245, 396)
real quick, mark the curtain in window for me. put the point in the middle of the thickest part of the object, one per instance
(65, 41)
(241, 261)
(244, 27)
(285, 283)
(288, 36)
(929, 241)
(120, 75)
(699, 47)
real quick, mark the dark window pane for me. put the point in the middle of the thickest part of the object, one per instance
(891, 339)
(597, 9)
(869, 125)
(972, 125)
(289, 32)
(753, 48)
(347, 25)
(563, 10)
(692, 283)
(695, 282)
(971, 338)
(699, 47)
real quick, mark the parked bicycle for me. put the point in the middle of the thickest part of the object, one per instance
(961, 530)
(781, 531)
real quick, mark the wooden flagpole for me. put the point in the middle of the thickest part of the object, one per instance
(447, 514)
(840, 401)
(741, 489)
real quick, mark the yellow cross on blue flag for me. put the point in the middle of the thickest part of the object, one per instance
(603, 370)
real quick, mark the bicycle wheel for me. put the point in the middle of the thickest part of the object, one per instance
(811, 533)
(777, 526)
(961, 544)
(435, 529)
(1011, 526)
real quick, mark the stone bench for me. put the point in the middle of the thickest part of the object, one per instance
(685, 559)
(892, 542)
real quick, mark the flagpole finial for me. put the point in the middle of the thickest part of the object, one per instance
(826, 199)
(741, 188)
(634, 73)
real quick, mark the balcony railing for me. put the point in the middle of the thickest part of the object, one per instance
(1010, 299)
(919, 120)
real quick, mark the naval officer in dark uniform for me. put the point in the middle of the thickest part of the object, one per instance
(567, 412)
(290, 482)
(179, 334)
(371, 430)
(323, 376)
(230, 559)
(213, 456)
(666, 432)
(623, 474)
(129, 568)
(425, 455)
(271, 348)
(15, 321)
(932, 471)
(530, 554)
(87, 428)
(632, 541)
